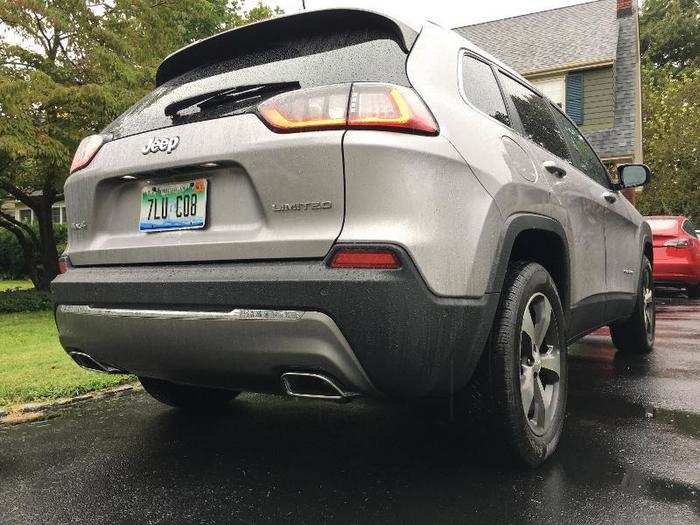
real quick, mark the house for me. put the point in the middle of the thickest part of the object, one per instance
(586, 59)
(24, 214)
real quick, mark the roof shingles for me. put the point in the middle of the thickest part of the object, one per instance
(559, 38)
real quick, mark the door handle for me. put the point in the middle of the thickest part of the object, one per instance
(610, 197)
(553, 168)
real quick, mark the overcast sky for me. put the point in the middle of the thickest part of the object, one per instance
(448, 13)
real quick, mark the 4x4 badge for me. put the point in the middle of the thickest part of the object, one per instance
(166, 144)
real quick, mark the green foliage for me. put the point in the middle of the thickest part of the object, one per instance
(74, 66)
(11, 261)
(14, 301)
(670, 32)
(670, 36)
(671, 138)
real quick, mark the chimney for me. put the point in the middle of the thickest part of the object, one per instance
(625, 7)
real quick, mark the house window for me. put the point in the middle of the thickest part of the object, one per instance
(25, 215)
(56, 214)
(553, 88)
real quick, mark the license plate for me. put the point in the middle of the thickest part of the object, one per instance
(179, 206)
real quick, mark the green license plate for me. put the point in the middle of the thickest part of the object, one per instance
(178, 206)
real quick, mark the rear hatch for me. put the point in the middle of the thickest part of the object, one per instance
(235, 189)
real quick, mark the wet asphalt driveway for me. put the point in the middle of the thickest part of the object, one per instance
(630, 454)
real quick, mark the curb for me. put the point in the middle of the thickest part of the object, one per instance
(46, 410)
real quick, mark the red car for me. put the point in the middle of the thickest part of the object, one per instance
(676, 253)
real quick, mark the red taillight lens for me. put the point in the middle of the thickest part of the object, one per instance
(307, 109)
(365, 105)
(87, 149)
(677, 243)
(383, 106)
(367, 259)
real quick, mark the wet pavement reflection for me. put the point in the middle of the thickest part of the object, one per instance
(630, 454)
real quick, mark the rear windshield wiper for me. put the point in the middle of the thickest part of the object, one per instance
(237, 94)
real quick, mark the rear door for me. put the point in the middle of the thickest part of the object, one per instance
(263, 195)
(622, 223)
(576, 193)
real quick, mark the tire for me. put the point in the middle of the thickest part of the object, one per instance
(636, 333)
(519, 416)
(693, 291)
(185, 396)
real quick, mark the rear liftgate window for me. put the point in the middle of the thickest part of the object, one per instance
(355, 55)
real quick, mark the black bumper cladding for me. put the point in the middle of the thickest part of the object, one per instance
(409, 342)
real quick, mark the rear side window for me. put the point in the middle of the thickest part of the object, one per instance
(583, 156)
(689, 228)
(481, 89)
(536, 117)
(321, 59)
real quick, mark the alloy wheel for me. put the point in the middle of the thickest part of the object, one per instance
(649, 307)
(540, 364)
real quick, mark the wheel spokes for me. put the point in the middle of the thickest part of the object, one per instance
(540, 363)
(540, 406)
(529, 325)
(551, 361)
(527, 387)
(543, 316)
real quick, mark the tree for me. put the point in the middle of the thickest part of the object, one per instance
(670, 38)
(671, 142)
(670, 33)
(73, 66)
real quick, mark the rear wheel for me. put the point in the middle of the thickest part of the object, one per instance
(521, 380)
(185, 396)
(636, 334)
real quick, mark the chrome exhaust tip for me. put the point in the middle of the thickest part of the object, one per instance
(86, 361)
(311, 385)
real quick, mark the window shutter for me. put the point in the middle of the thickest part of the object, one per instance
(574, 96)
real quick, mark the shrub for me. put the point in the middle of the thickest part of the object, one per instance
(14, 301)
(11, 259)
(11, 263)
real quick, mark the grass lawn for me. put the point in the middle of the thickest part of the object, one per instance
(34, 367)
(12, 285)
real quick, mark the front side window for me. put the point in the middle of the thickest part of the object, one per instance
(481, 88)
(536, 117)
(584, 158)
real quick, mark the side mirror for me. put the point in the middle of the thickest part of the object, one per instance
(633, 175)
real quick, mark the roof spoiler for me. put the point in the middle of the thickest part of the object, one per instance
(260, 35)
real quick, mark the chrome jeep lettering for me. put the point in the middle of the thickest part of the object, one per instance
(166, 144)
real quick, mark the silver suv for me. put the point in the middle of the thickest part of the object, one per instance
(334, 204)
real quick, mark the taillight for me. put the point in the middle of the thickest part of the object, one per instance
(87, 149)
(307, 109)
(364, 105)
(365, 259)
(383, 106)
(677, 243)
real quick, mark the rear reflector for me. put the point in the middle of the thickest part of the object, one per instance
(677, 243)
(87, 149)
(367, 259)
(362, 105)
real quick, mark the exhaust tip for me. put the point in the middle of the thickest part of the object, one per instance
(86, 361)
(310, 385)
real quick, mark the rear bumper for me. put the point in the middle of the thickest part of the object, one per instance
(378, 332)
(677, 272)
